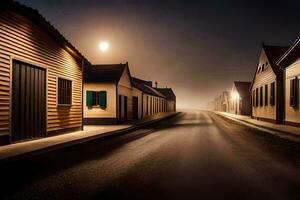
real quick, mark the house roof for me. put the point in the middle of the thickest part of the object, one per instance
(291, 55)
(110, 73)
(168, 92)
(39, 20)
(273, 53)
(145, 87)
(242, 88)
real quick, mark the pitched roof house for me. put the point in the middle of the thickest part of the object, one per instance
(41, 76)
(290, 63)
(171, 98)
(107, 94)
(150, 100)
(267, 86)
(240, 101)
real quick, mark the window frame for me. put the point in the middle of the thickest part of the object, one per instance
(273, 94)
(95, 97)
(256, 97)
(58, 91)
(266, 95)
(253, 98)
(261, 96)
(294, 92)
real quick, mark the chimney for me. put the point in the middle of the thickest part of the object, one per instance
(155, 84)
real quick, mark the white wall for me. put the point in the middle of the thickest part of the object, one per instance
(291, 114)
(97, 112)
(261, 79)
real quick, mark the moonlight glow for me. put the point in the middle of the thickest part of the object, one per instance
(104, 46)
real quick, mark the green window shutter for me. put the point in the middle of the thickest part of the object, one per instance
(102, 99)
(89, 98)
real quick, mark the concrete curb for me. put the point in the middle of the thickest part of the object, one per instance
(263, 128)
(83, 140)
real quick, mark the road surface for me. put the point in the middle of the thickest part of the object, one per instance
(196, 155)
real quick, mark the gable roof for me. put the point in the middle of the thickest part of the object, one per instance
(242, 87)
(291, 55)
(168, 92)
(110, 73)
(38, 19)
(144, 87)
(273, 53)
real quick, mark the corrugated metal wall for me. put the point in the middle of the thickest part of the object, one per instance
(24, 40)
(28, 101)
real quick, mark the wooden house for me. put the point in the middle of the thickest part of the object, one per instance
(267, 86)
(170, 97)
(290, 63)
(240, 99)
(107, 94)
(150, 100)
(40, 76)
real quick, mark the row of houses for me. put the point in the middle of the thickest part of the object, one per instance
(48, 87)
(112, 95)
(236, 101)
(274, 91)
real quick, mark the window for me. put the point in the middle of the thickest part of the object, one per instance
(263, 68)
(64, 92)
(151, 111)
(94, 98)
(256, 97)
(294, 92)
(147, 108)
(258, 70)
(261, 97)
(267, 63)
(266, 95)
(272, 95)
(253, 98)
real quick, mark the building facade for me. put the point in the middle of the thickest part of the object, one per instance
(240, 98)
(267, 86)
(290, 63)
(171, 98)
(40, 77)
(107, 94)
(150, 100)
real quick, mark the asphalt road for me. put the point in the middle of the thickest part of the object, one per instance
(196, 155)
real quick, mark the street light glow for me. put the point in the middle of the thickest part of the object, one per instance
(235, 96)
(104, 46)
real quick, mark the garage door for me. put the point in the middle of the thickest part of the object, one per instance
(28, 101)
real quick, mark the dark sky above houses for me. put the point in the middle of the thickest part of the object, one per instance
(196, 47)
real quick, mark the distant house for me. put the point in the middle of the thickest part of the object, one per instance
(290, 62)
(225, 101)
(149, 100)
(171, 98)
(107, 94)
(267, 86)
(40, 76)
(240, 100)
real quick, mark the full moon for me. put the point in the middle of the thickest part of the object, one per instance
(103, 46)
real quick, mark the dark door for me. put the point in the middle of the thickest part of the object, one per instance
(28, 101)
(135, 108)
(125, 109)
(120, 108)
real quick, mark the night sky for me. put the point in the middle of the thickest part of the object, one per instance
(198, 48)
